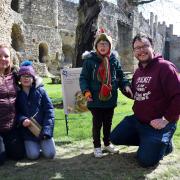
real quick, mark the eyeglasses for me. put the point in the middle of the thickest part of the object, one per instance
(26, 76)
(105, 44)
(138, 48)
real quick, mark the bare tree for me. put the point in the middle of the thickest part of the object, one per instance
(138, 2)
(88, 12)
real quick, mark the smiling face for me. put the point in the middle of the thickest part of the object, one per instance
(4, 59)
(26, 80)
(103, 47)
(143, 50)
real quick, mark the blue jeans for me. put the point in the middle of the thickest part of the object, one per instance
(46, 146)
(153, 144)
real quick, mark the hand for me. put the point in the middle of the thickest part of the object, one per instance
(26, 122)
(44, 136)
(159, 123)
(88, 96)
(128, 90)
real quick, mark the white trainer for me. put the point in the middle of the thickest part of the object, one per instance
(98, 153)
(111, 149)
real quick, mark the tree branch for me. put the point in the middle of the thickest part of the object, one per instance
(138, 2)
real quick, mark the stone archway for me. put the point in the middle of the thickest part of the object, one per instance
(15, 5)
(43, 52)
(17, 39)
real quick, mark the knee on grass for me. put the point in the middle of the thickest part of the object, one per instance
(147, 162)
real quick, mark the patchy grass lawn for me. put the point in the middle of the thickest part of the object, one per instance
(75, 160)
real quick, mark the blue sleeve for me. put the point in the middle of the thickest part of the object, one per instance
(48, 111)
(84, 77)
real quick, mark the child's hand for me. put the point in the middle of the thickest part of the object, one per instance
(26, 122)
(88, 96)
(128, 90)
(44, 136)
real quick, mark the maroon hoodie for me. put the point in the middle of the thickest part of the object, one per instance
(156, 91)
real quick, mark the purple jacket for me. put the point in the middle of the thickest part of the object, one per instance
(156, 91)
(7, 102)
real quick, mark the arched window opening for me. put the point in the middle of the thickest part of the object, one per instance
(43, 52)
(17, 39)
(15, 5)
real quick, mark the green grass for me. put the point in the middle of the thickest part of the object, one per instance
(74, 159)
(80, 124)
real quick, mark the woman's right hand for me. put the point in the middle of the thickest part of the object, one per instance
(26, 122)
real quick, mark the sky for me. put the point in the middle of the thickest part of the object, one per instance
(166, 10)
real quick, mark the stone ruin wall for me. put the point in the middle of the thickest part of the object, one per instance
(5, 22)
(118, 24)
(175, 51)
(43, 43)
(49, 39)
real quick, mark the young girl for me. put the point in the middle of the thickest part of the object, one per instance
(33, 101)
(100, 78)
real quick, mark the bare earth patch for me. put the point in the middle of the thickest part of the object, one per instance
(75, 161)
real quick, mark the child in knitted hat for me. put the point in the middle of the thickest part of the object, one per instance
(35, 114)
(100, 78)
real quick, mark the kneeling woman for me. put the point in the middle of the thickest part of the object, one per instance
(11, 145)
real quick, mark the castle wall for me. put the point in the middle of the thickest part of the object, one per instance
(174, 51)
(44, 31)
(6, 21)
(44, 12)
(67, 15)
(43, 43)
(119, 26)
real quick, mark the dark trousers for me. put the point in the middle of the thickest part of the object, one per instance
(11, 146)
(101, 117)
(153, 144)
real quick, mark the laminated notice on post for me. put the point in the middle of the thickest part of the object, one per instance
(73, 100)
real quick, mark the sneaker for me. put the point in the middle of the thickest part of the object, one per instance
(98, 153)
(111, 149)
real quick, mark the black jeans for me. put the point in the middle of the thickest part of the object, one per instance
(101, 117)
(11, 146)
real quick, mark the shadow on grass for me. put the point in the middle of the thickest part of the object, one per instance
(59, 143)
(80, 167)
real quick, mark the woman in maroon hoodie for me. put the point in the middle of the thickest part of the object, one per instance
(156, 89)
(10, 144)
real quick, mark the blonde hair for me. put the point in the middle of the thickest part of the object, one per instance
(7, 47)
(11, 64)
(4, 46)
